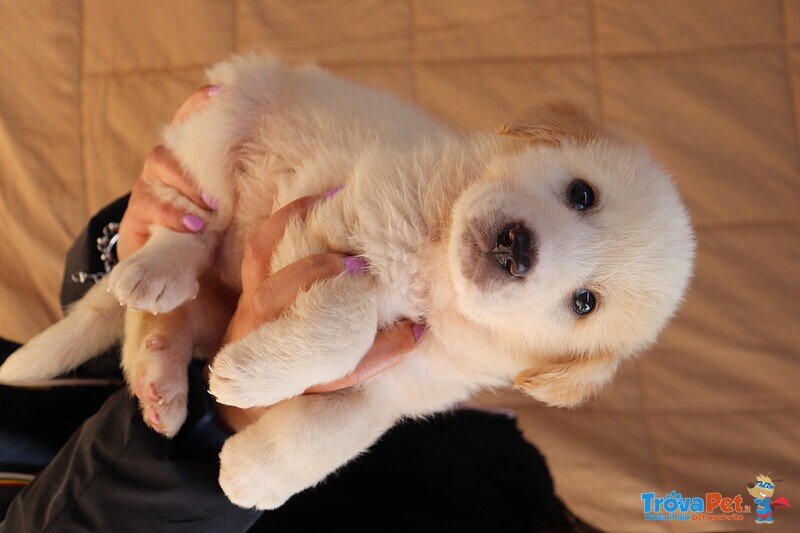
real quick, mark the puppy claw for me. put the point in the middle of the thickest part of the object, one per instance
(162, 393)
(152, 393)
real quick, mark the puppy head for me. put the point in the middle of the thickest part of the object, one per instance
(574, 250)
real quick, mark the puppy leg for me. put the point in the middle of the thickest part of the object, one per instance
(92, 325)
(163, 274)
(296, 444)
(155, 357)
(321, 337)
(158, 349)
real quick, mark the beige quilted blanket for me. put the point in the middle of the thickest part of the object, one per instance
(713, 86)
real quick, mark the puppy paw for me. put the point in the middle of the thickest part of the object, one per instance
(163, 412)
(154, 284)
(161, 385)
(254, 478)
(238, 380)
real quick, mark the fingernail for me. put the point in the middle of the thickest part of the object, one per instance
(331, 193)
(210, 201)
(214, 90)
(193, 223)
(355, 264)
(418, 330)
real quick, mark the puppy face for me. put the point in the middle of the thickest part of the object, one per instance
(574, 251)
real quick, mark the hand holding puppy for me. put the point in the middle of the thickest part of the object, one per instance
(264, 297)
(146, 206)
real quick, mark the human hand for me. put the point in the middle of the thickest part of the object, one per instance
(264, 297)
(160, 170)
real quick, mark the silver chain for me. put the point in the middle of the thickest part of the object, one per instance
(105, 245)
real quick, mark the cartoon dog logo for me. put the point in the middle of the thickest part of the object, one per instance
(762, 491)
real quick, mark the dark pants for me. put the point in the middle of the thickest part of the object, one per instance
(462, 471)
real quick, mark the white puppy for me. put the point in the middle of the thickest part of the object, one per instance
(540, 258)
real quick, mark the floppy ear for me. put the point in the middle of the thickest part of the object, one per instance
(569, 382)
(553, 122)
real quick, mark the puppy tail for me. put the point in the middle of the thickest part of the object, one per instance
(93, 325)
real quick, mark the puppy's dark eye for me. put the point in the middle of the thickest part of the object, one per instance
(583, 302)
(581, 196)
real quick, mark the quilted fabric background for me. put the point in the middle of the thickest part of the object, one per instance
(712, 86)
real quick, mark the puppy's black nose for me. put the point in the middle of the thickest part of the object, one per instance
(514, 251)
(751, 485)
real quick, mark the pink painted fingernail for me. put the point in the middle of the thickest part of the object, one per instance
(193, 223)
(418, 330)
(214, 90)
(331, 193)
(355, 264)
(210, 201)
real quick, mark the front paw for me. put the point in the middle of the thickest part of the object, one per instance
(253, 478)
(156, 284)
(242, 380)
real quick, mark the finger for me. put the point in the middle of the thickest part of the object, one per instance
(131, 237)
(388, 349)
(135, 224)
(197, 101)
(146, 208)
(162, 166)
(153, 211)
(260, 245)
(281, 288)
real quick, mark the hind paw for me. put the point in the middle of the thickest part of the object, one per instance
(163, 412)
(160, 383)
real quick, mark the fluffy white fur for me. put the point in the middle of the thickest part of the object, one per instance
(416, 194)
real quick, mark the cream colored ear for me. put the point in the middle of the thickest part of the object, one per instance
(553, 122)
(569, 382)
